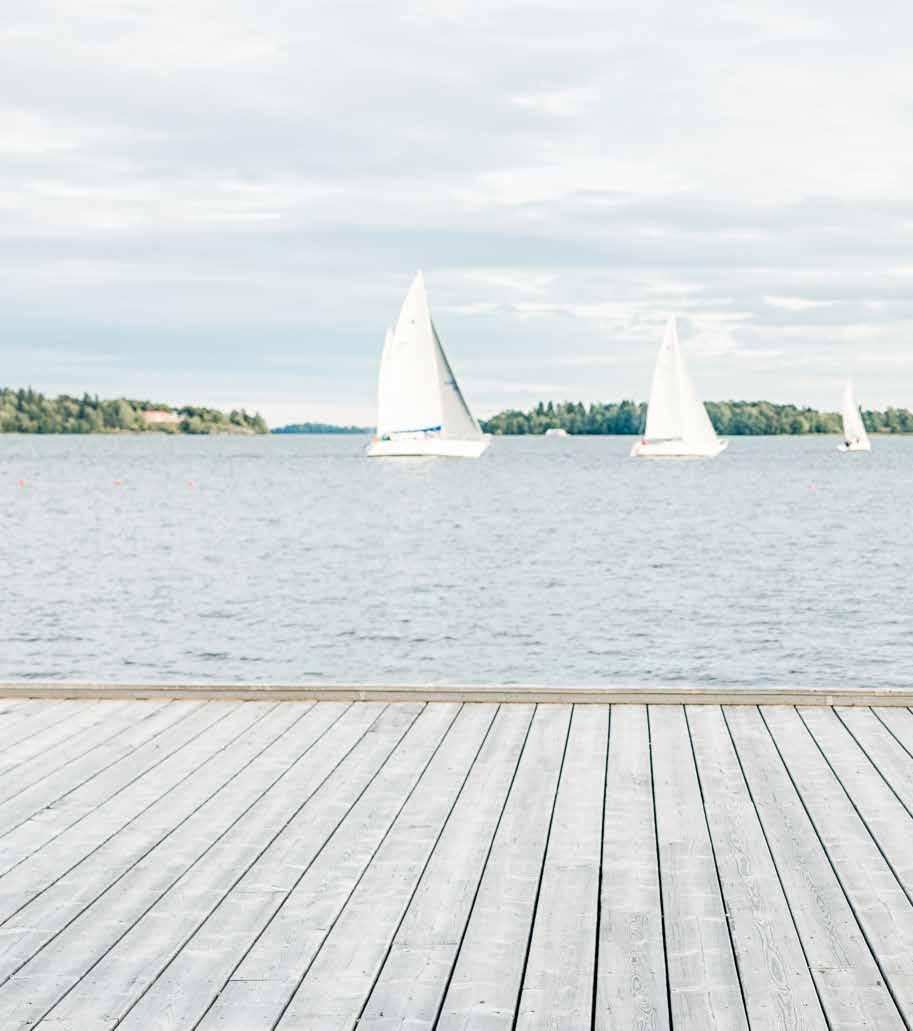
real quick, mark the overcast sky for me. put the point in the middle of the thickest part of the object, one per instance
(224, 201)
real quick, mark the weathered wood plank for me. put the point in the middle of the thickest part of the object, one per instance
(101, 794)
(631, 974)
(23, 997)
(239, 867)
(703, 979)
(18, 714)
(42, 857)
(848, 979)
(109, 719)
(558, 983)
(900, 723)
(49, 731)
(131, 930)
(878, 901)
(309, 891)
(492, 694)
(12, 709)
(14, 713)
(486, 980)
(411, 984)
(210, 956)
(883, 814)
(25, 838)
(117, 982)
(776, 981)
(74, 872)
(885, 752)
(56, 784)
(338, 981)
(118, 719)
(18, 726)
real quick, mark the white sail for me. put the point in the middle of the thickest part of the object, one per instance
(665, 418)
(408, 401)
(420, 407)
(677, 422)
(386, 384)
(458, 422)
(855, 437)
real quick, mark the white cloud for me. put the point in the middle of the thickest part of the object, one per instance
(187, 184)
(795, 303)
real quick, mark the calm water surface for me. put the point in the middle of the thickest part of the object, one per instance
(554, 561)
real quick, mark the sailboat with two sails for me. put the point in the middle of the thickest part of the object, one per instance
(678, 425)
(421, 410)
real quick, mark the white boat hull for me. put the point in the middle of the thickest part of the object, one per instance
(673, 449)
(857, 445)
(428, 447)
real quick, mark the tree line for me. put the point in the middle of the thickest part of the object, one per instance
(319, 427)
(27, 411)
(730, 418)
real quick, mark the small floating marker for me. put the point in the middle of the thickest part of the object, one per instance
(190, 483)
(811, 486)
(22, 483)
(117, 483)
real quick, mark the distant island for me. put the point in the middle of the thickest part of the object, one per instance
(321, 427)
(729, 418)
(26, 411)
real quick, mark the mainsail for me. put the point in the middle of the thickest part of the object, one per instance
(677, 423)
(665, 414)
(407, 401)
(854, 434)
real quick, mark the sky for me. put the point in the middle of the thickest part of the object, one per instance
(223, 201)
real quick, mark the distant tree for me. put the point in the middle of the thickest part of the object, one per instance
(319, 427)
(25, 411)
(730, 418)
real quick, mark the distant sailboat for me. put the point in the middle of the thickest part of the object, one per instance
(855, 437)
(677, 423)
(420, 408)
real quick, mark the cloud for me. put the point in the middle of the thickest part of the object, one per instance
(190, 186)
(796, 303)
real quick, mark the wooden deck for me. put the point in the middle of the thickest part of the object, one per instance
(404, 865)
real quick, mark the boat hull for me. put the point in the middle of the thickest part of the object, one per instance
(417, 447)
(855, 446)
(673, 449)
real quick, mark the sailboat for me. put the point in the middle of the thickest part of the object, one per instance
(420, 407)
(855, 437)
(677, 423)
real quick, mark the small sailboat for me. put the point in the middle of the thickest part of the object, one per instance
(855, 437)
(677, 423)
(420, 407)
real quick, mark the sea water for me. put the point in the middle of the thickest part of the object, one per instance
(547, 561)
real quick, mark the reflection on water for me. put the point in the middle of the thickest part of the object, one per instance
(546, 561)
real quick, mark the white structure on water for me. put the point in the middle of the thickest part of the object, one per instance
(855, 437)
(420, 408)
(677, 422)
